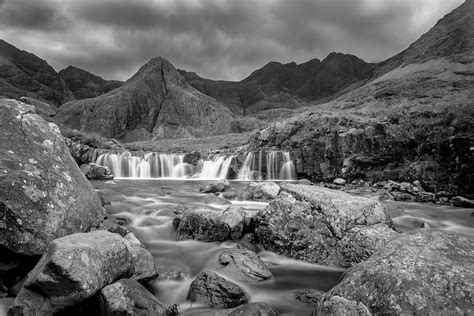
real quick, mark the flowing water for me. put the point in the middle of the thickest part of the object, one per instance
(148, 205)
(272, 165)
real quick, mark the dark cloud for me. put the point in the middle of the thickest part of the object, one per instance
(223, 39)
(36, 15)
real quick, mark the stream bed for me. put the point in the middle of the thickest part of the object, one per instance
(147, 208)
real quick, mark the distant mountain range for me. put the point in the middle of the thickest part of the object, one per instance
(162, 102)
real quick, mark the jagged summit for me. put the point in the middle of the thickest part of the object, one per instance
(85, 84)
(156, 102)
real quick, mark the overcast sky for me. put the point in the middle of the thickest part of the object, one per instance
(218, 39)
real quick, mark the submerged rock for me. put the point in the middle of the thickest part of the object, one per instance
(219, 186)
(93, 171)
(128, 297)
(339, 181)
(43, 194)
(254, 309)
(265, 191)
(210, 225)
(76, 267)
(420, 272)
(323, 226)
(240, 265)
(213, 290)
(462, 202)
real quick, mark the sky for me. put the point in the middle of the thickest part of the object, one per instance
(218, 39)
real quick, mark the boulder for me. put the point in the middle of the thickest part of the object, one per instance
(43, 194)
(339, 181)
(421, 272)
(337, 305)
(210, 225)
(93, 171)
(254, 309)
(323, 226)
(212, 290)
(462, 202)
(219, 186)
(128, 297)
(240, 265)
(265, 191)
(43, 109)
(76, 267)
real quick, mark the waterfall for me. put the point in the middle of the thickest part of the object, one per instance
(273, 165)
(277, 165)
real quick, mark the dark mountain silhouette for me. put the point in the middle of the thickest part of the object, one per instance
(285, 85)
(156, 102)
(85, 84)
(24, 74)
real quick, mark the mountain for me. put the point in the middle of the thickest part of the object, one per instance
(84, 84)
(155, 103)
(24, 74)
(411, 120)
(277, 85)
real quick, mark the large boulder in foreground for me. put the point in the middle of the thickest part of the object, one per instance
(323, 226)
(43, 194)
(128, 297)
(77, 266)
(423, 272)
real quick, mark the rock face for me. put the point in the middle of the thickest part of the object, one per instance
(128, 297)
(240, 265)
(85, 85)
(93, 171)
(43, 194)
(279, 85)
(420, 272)
(77, 266)
(210, 225)
(323, 226)
(155, 103)
(337, 305)
(213, 290)
(24, 74)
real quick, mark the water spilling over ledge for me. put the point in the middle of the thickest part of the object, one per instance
(261, 165)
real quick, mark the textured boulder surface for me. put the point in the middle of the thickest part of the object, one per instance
(43, 109)
(420, 272)
(254, 309)
(323, 226)
(24, 74)
(240, 265)
(93, 171)
(211, 225)
(337, 305)
(43, 194)
(264, 191)
(128, 297)
(210, 289)
(155, 103)
(77, 266)
(85, 85)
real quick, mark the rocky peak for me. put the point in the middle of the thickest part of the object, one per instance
(24, 74)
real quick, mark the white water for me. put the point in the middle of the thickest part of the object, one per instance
(278, 166)
(273, 165)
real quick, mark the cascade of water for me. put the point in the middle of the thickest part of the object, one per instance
(273, 165)
(217, 167)
(278, 166)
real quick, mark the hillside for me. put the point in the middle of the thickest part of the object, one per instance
(84, 84)
(23, 74)
(412, 121)
(155, 103)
